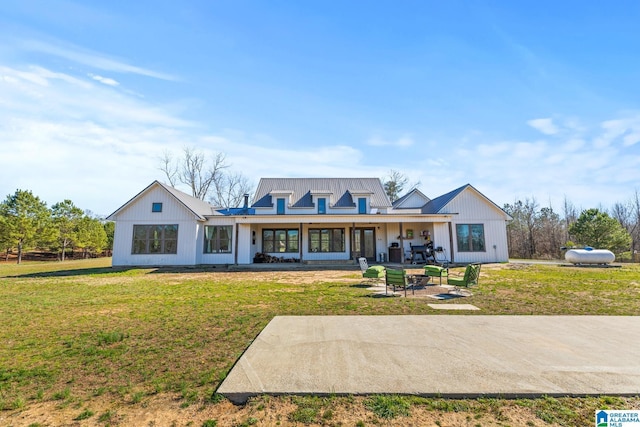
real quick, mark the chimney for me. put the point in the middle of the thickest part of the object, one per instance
(246, 201)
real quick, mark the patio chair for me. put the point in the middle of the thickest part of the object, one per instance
(436, 271)
(470, 279)
(374, 273)
(396, 278)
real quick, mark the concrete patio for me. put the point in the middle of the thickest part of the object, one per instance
(447, 355)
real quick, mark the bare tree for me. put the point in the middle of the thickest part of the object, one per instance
(193, 170)
(230, 190)
(207, 178)
(635, 231)
(570, 216)
(169, 167)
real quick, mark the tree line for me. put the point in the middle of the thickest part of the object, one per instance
(27, 223)
(544, 233)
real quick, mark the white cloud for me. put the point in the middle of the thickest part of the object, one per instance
(105, 80)
(404, 142)
(631, 138)
(545, 126)
(90, 58)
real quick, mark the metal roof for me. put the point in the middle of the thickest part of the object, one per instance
(435, 205)
(338, 190)
(197, 206)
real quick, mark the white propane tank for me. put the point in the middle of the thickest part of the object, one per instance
(589, 256)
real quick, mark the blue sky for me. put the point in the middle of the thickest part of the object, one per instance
(521, 99)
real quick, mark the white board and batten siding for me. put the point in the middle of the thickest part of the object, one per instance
(473, 208)
(139, 213)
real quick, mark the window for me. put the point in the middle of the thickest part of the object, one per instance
(322, 206)
(156, 207)
(280, 240)
(217, 239)
(280, 206)
(155, 239)
(326, 240)
(362, 205)
(470, 237)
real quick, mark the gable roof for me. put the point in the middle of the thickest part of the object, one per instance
(436, 205)
(398, 204)
(339, 191)
(198, 207)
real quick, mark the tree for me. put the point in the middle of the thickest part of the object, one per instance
(66, 217)
(26, 220)
(597, 229)
(109, 229)
(91, 236)
(394, 183)
(207, 179)
(5, 239)
(230, 190)
(192, 170)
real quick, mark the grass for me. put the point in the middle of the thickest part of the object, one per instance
(80, 329)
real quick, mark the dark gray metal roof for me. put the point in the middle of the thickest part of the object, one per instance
(339, 191)
(435, 205)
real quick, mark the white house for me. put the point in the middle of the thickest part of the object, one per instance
(308, 220)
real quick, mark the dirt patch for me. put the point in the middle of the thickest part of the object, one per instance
(166, 411)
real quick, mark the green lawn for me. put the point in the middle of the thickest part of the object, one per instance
(75, 330)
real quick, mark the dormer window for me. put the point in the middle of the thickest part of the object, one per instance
(156, 207)
(280, 204)
(322, 205)
(362, 205)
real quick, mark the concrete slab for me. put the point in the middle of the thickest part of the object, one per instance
(451, 356)
(453, 307)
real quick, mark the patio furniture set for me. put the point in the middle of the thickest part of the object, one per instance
(398, 278)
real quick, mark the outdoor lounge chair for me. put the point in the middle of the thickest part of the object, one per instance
(436, 271)
(470, 279)
(396, 278)
(373, 273)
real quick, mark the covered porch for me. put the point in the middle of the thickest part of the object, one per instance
(339, 239)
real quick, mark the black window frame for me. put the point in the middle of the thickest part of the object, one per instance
(156, 207)
(469, 240)
(324, 240)
(290, 245)
(154, 239)
(214, 244)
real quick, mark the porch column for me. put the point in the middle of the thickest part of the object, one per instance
(401, 245)
(300, 243)
(353, 238)
(451, 241)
